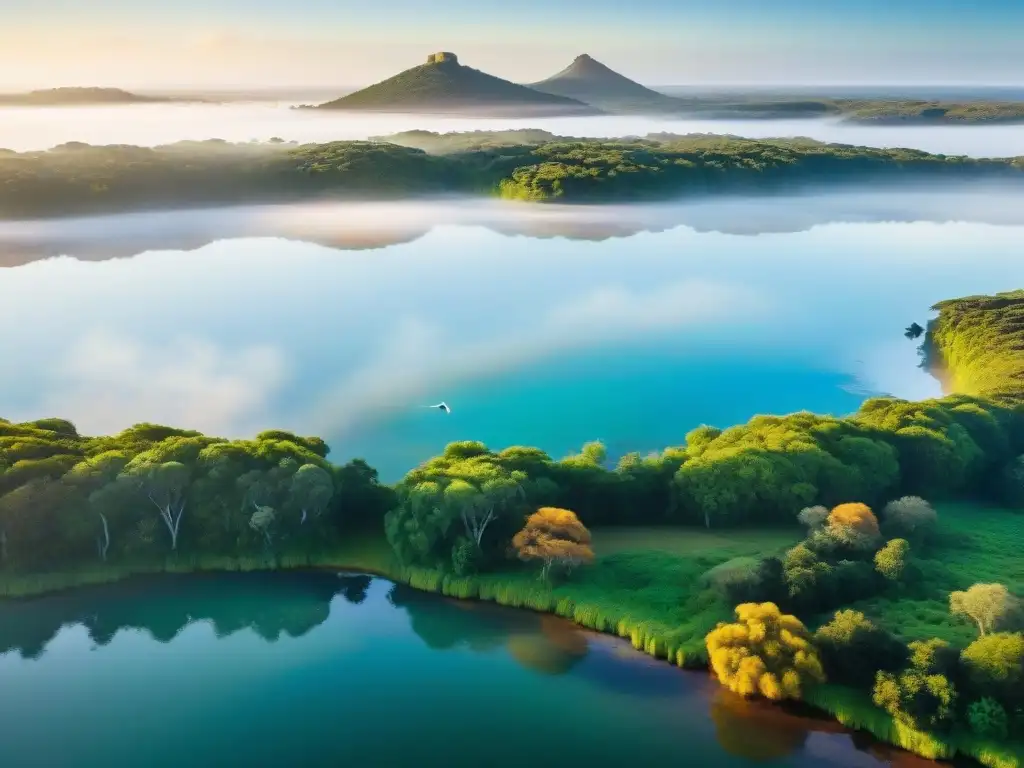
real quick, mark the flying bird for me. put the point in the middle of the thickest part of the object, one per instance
(441, 407)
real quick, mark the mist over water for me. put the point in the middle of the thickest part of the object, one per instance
(633, 324)
(23, 129)
(373, 225)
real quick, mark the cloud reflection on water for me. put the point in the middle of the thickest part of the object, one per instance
(369, 226)
(634, 340)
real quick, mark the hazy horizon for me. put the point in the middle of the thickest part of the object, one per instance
(138, 44)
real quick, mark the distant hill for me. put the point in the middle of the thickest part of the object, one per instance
(446, 86)
(591, 82)
(55, 97)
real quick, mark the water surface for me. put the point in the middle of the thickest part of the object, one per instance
(150, 124)
(310, 670)
(307, 319)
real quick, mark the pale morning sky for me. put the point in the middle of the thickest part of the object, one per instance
(269, 43)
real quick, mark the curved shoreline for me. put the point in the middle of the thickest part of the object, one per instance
(848, 713)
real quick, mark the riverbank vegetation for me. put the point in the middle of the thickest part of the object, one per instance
(80, 179)
(850, 526)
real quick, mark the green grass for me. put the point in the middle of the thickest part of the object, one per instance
(979, 341)
(648, 585)
(975, 544)
(654, 599)
(854, 709)
(717, 545)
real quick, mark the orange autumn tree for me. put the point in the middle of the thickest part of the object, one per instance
(555, 537)
(766, 652)
(854, 525)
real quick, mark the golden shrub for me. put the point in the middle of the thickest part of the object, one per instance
(857, 516)
(765, 653)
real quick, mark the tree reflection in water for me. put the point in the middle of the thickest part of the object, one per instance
(553, 649)
(542, 643)
(354, 586)
(291, 604)
(270, 604)
(754, 731)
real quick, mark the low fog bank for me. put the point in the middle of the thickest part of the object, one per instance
(356, 226)
(157, 124)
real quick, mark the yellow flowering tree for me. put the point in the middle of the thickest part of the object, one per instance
(854, 525)
(766, 652)
(555, 537)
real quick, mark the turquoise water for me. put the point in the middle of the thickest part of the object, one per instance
(305, 670)
(545, 326)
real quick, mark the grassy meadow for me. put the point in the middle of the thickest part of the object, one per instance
(975, 544)
(653, 585)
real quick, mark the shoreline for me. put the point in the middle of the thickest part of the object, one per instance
(846, 706)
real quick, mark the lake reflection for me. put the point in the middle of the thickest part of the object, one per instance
(308, 669)
(503, 311)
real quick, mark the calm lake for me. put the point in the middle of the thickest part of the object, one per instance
(538, 325)
(314, 669)
(149, 124)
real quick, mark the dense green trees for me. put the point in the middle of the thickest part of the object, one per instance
(81, 179)
(153, 491)
(995, 666)
(201, 493)
(922, 695)
(854, 650)
(917, 112)
(588, 171)
(844, 558)
(463, 506)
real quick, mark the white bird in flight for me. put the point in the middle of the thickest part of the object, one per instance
(441, 407)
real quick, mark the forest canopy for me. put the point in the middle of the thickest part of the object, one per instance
(83, 179)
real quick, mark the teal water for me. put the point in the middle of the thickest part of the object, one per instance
(547, 326)
(311, 669)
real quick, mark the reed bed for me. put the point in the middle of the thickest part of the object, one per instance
(854, 709)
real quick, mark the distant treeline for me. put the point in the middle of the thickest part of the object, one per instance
(78, 179)
(865, 111)
(891, 112)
